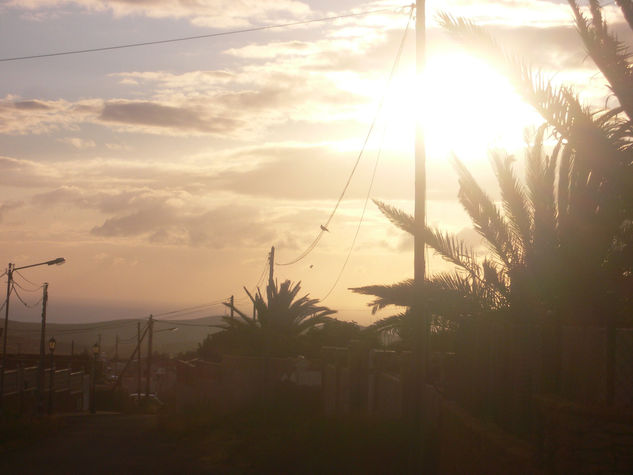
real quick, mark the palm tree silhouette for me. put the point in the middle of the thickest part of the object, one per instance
(281, 319)
(562, 242)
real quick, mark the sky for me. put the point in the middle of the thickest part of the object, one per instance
(165, 173)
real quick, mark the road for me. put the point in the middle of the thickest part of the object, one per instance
(103, 443)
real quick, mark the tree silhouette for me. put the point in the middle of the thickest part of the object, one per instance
(562, 243)
(280, 319)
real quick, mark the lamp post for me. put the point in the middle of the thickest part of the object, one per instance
(51, 349)
(95, 352)
(10, 270)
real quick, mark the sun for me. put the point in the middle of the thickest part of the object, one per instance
(466, 106)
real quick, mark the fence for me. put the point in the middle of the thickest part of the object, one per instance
(20, 388)
(556, 397)
(238, 380)
(359, 380)
(500, 368)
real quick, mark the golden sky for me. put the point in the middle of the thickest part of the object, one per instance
(164, 174)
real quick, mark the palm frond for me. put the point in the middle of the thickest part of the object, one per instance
(627, 10)
(485, 215)
(401, 219)
(400, 294)
(610, 55)
(514, 199)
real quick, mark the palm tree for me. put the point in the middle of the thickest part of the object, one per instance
(562, 243)
(279, 322)
(585, 238)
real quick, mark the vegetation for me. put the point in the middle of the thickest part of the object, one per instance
(277, 328)
(561, 244)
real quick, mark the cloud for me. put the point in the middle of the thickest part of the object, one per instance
(8, 206)
(20, 117)
(151, 116)
(78, 142)
(217, 228)
(27, 173)
(212, 13)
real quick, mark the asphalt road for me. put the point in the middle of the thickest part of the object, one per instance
(103, 443)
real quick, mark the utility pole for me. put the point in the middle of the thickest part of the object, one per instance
(5, 333)
(138, 361)
(232, 303)
(149, 354)
(254, 311)
(40, 367)
(271, 267)
(420, 148)
(421, 349)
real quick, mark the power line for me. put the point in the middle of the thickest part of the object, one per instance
(324, 227)
(30, 282)
(67, 331)
(261, 277)
(186, 324)
(373, 176)
(189, 309)
(198, 37)
(22, 300)
(14, 282)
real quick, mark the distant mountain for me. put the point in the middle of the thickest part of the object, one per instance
(170, 336)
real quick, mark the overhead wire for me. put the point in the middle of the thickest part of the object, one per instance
(324, 227)
(186, 324)
(198, 37)
(25, 289)
(261, 277)
(17, 294)
(29, 281)
(378, 154)
(67, 331)
(187, 309)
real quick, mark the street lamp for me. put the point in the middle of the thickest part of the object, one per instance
(10, 269)
(95, 351)
(51, 349)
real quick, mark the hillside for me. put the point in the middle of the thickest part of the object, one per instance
(169, 336)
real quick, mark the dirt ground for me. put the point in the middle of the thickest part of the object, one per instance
(103, 443)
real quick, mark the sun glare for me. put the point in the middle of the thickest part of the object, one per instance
(468, 109)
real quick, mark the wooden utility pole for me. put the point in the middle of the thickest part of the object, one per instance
(138, 361)
(232, 303)
(149, 354)
(419, 266)
(271, 267)
(40, 368)
(421, 350)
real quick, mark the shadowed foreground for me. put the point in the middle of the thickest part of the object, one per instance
(261, 439)
(103, 443)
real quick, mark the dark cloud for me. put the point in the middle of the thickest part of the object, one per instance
(217, 228)
(30, 105)
(153, 114)
(106, 202)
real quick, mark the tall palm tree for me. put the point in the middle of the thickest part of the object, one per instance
(561, 243)
(587, 232)
(280, 319)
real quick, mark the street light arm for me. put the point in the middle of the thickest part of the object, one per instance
(58, 261)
